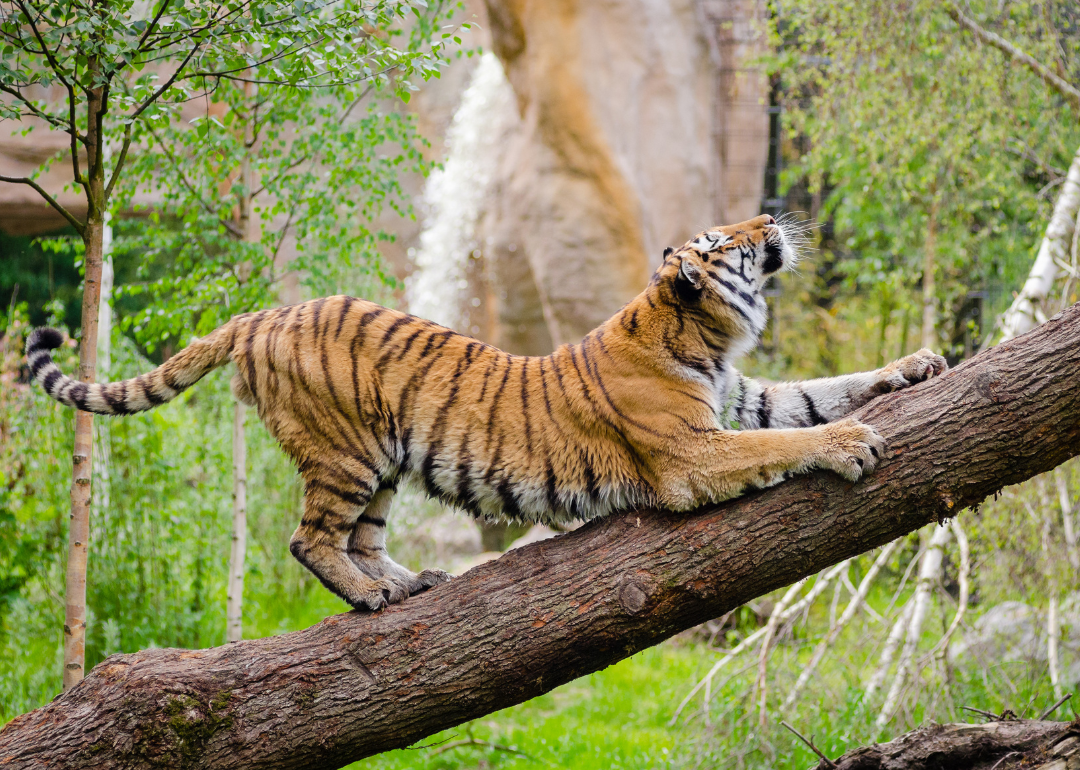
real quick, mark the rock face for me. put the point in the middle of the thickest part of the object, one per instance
(638, 123)
(616, 155)
(1016, 632)
(22, 210)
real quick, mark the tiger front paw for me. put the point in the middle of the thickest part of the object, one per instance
(849, 448)
(911, 370)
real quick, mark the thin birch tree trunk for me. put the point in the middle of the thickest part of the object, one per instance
(1027, 310)
(929, 313)
(102, 491)
(929, 572)
(235, 605)
(234, 610)
(83, 456)
(1068, 523)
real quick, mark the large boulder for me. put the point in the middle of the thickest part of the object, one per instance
(1015, 632)
(635, 124)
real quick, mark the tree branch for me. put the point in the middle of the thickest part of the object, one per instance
(279, 55)
(36, 111)
(53, 64)
(172, 79)
(79, 226)
(1071, 94)
(153, 24)
(1030, 743)
(230, 226)
(358, 684)
(119, 165)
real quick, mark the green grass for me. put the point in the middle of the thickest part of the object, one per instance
(615, 718)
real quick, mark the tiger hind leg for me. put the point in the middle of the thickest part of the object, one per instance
(320, 543)
(367, 550)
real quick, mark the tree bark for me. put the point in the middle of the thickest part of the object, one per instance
(358, 684)
(929, 283)
(234, 603)
(83, 456)
(929, 574)
(1004, 745)
(1027, 309)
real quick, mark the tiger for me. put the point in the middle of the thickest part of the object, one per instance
(647, 411)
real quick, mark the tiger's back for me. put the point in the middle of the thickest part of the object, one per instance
(342, 381)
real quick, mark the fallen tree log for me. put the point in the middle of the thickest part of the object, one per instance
(1000, 745)
(359, 684)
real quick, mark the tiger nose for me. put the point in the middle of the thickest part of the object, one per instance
(769, 220)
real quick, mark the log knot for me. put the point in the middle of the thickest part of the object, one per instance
(987, 385)
(635, 593)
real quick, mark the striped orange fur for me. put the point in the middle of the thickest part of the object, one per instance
(636, 414)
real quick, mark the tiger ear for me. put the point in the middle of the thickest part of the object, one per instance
(668, 252)
(688, 280)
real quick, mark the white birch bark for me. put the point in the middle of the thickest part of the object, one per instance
(101, 500)
(849, 612)
(892, 643)
(234, 608)
(822, 583)
(1068, 522)
(1027, 310)
(929, 572)
(234, 612)
(965, 586)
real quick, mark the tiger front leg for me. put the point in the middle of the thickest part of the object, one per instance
(367, 550)
(721, 465)
(813, 402)
(911, 370)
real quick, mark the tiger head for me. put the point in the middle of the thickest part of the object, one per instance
(720, 272)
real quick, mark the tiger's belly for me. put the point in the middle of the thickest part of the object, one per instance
(505, 493)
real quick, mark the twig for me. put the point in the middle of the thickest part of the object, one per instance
(429, 745)
(1055, 707)
(1010, 754)
(1053, 624)
(1064, 500)
(761, 688)
(941, 649)
(794, 609)
(720, 624)
(892, 643)
(1063, 87)
(809, 742)
(857, 601)
(904, 579)
(929, 572)
(79, 226)
(485, 744)
(987, 714)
